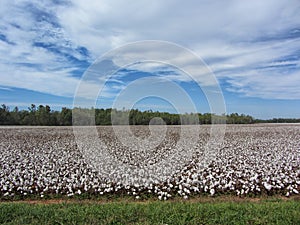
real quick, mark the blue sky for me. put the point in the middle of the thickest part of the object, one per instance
(252, 48)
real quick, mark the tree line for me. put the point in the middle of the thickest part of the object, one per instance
(44, 116)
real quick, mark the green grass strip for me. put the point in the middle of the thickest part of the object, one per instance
(267, 212)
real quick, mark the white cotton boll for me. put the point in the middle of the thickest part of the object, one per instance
(212, 191)
(196, 189)
(186, 190)
(206, 188)
(267, 186)
(295, 191)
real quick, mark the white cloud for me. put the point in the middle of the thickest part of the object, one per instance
(236, 38)
(24, 64)
(232, 36)
(267, 83)
(5, 88)
(55, 83)
(187, 23)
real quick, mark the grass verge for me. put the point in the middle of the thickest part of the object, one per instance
(275, 211)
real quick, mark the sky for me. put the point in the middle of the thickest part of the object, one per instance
(252, 48)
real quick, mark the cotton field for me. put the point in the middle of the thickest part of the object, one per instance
(251, 160)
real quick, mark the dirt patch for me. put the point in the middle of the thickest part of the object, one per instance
(201, 199)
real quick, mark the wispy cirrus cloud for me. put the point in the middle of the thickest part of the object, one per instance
(36, 52)
(233, 37)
